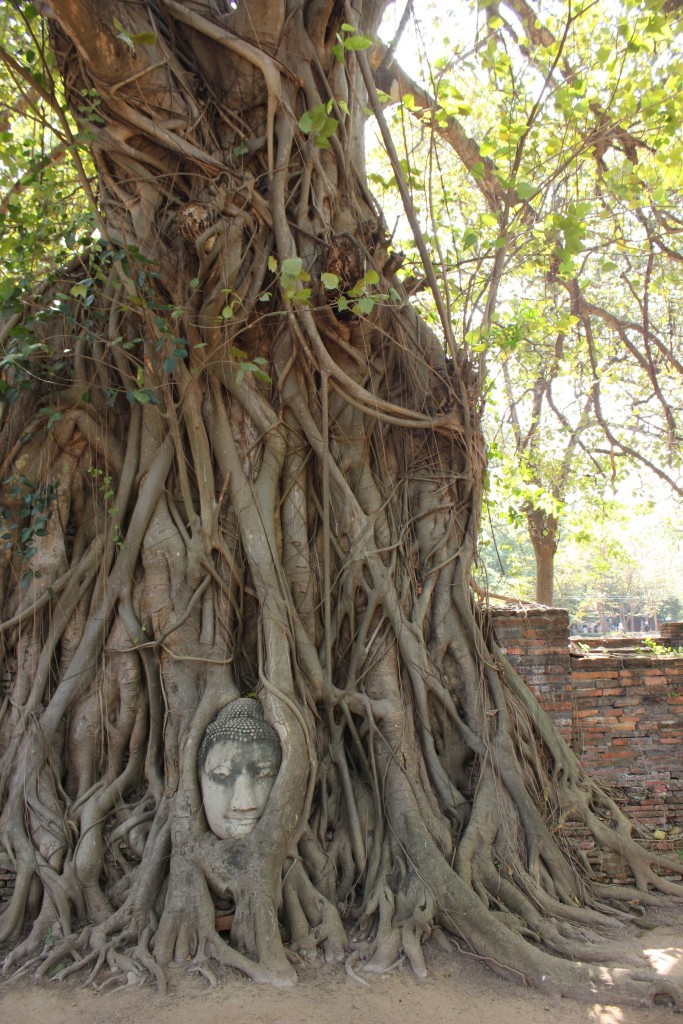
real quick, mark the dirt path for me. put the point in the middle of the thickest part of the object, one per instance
(459, 989)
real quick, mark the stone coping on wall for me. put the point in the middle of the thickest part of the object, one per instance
(626, 643)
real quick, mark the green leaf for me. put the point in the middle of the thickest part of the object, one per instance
(292, 266)
(319, 124)
(272, 264)
(306, 122)
(357, 43)
(566, 321)
(144, 38)
(525, 190)
(364, 306)
(329, 281)
(123, 35)
(7, 291)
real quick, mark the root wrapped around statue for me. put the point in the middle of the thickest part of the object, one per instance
(237, 465)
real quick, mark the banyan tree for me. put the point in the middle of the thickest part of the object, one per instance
(236, 463)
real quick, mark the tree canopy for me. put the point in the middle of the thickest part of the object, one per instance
(547, 164)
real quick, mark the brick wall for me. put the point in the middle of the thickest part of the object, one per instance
(621, 710)
(537, 643)
(6, 878)
(629, 730)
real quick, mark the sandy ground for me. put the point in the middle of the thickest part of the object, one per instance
(459, 989)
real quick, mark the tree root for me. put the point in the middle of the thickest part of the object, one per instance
(312, 920)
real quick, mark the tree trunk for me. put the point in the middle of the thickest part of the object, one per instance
(260, 473)
(603, 620)
(543, 529)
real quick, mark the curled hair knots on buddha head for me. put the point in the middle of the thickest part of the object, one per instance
(242, 720)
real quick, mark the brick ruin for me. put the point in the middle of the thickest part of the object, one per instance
(617, 704)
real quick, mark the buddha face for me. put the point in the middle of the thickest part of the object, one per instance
(236, 779)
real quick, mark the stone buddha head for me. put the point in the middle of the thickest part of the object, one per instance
(238, 762)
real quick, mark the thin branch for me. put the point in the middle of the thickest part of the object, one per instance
(597, 405)
(391, 79)
(430, 273)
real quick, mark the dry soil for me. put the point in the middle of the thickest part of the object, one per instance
(460, 988)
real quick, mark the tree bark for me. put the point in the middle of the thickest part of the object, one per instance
(543, 530)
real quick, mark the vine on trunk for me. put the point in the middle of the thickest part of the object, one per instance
(241, 464)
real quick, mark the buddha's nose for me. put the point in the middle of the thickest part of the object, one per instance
(243, 797)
